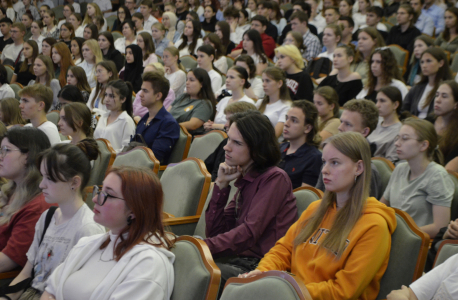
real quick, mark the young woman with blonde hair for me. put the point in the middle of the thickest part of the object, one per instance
(92, 55)
(43, 67)
(346, 237)
(173, 27)
(160, 41)
(93, 10)
(332, 35)
(10, 113)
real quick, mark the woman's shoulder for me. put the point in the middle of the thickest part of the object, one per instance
(354, 76)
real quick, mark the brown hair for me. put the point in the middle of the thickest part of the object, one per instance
(375, 35)
(25, 64)
(80, 75)
(11, 112)
(390, 69)
(311, 118)
(149, 45)
(78, 117)
(449, 140)
(100, 87)
(367, 110)
(276, 74)
(330, 95)
(426, 132)
(158, 82)
(446, 33)
(40, 93)
(237, 107)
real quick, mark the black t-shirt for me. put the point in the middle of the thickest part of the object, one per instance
(346, 90)
(3, 43)
(182, 16)
(272, 31)
(23, 77)
(230, 47)
(300, 86)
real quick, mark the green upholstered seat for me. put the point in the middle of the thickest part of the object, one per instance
(445, 252)
(384, 169)
(138, 157)
(189, 62)
(102, 163)
(203, 146)
(304, 198)
(53, 116)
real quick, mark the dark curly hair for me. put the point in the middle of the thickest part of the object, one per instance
(390, 69)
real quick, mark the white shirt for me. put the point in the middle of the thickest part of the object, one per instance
(11, 51)
(359, 20)
(120, 44)
(177, 82)
(39, 41)
(79, 32)
(18, 5)
(276, 112)
(221, 64)
(89, 69)
(216, 79)
(77, 7)
(394, 82)
(104, 5)
(50, 129)
(148, 23)
(185, 50)
(319, 22)
(10, 13)
(99, 107)
(256, 86)
(237, 36)
(423, 112)
(380, 26)
(6, 91)
(220, 117)
(118, 132)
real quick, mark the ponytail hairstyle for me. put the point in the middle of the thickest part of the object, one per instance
(52, 14)
(248, 60)
(426, 132)
(354, 146)
(65, 161)
(124, 90)
(78, 117)
(276, 74)
(243, 74)
(174, 52)
(394, 95)
(25, 64)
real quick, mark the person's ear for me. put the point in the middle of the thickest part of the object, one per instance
(396, 105)
(123, 100)
(424, 145)
(41, 105)
(308, 128)
(441, 63)
(279, 83)
(366, 131)
(359, 167)
(76, 183)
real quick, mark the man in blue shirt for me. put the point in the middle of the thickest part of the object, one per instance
(436, 13)
(424, 23)
(157, 127)
(300, 157)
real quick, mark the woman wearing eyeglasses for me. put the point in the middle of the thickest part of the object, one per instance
(133, 260)
(65, 171)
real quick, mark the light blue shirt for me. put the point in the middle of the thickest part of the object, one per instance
(46, 2)
(425, 24)
(437, 14)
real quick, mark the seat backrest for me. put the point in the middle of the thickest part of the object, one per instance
(454, 65)
(111, 20)
(223, 78)
(53, 116)
(204, 145)
(401, 55)
(189, 62)
(385, 169)
(196, 275)
(181, 148)
(59, 12)
(409, 248)
(447, 249)
(230, 62)
(271, 285)
(8, 62)
(185, 187)
(116, 35)
(102, 163)
(9, 72)
(454, 209)
(304, 196)
(16, 88)
(138, 157)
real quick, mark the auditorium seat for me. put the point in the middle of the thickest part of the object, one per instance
(204, 145)
(385, 169)
(447, 249)
(102, 163)
(305, 195)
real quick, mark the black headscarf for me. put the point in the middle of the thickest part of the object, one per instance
(133, 71)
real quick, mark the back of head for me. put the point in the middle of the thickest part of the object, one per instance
(426, 132)
(71, 93)
(40, 93)
(158, 82)
(238, 107)
(259, 135)
(3, 75)
(367, 110)
(65, 161)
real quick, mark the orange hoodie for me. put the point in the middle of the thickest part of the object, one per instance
(357, 274)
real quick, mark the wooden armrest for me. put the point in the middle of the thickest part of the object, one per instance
(181, 220)
(162, 168)
(10, 274)
(167, 215)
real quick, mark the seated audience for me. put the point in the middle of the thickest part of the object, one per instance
(5, 90)
(448, 40)
(46, 46)
(434, 69)
(21, 198)
(384, 72)
(223, 31)
(43, 68)
(346, 83)
(138, 20)
(92, 55)
(158, 127)
(50, 22)
(123, 13)
(76, 20)
(174, 29)
(160, 41)
(205, 60)
(92, 11)
(5, 26)
(252, 46)
(67, 33)
(76, 47)
(294, 38)
(35, 29)
(298, 80)
(145, 42)
(106, 44)
(355, 230)
(193, 108)
(421, 186)
(68, 9)
(134, 257)
(445, 109)
(220, 61)
(413, 73)
(175, 72)
(389, 103)
(239, 23)
(299, 23)
(405, 32)
(360, 116)
(368, 40)
(276, 17)
(277, 100)
(10, 114)
(209, 22)
(133, 69)
(62, 59)
(424, 23)
(374, 17)
(236, 82)
(332, 35)
(326, 101)
(66, 171)
(116, 125)
(129, 36)
(264, 206)
(347, 25)
(76, 76)
(360, 16)
(75, 121)
(13, 52)
(23, 72)
(106, 72)
(300, 157)
(35, 103)
(69, 94)
(191, 39)
(218, 156)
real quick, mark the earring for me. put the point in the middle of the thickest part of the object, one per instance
(129, 220)
(356, 177)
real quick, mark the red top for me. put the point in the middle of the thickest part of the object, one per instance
(268, 44)
(17, 235)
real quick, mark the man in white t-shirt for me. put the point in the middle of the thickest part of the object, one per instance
(146, 9)
(14, 51)
(35, 102)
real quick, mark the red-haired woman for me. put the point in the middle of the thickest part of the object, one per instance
(62, 59)
(133, 258)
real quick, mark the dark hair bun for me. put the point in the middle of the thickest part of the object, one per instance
(90, 148)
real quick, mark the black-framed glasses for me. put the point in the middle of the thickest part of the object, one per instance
(102, 196)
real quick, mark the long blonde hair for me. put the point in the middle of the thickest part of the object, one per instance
(356, 147)
(98, 12)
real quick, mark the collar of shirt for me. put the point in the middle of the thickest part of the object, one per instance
(251, 176)
(159, 116)
(299, 152)
(431, 8)
(122, 116)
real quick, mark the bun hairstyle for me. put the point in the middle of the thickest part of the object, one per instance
(65, 161)
(243, 74)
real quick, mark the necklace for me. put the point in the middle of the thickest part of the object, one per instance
(101, 254)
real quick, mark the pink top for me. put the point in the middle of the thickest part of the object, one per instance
(151, 59)
(140, 110)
